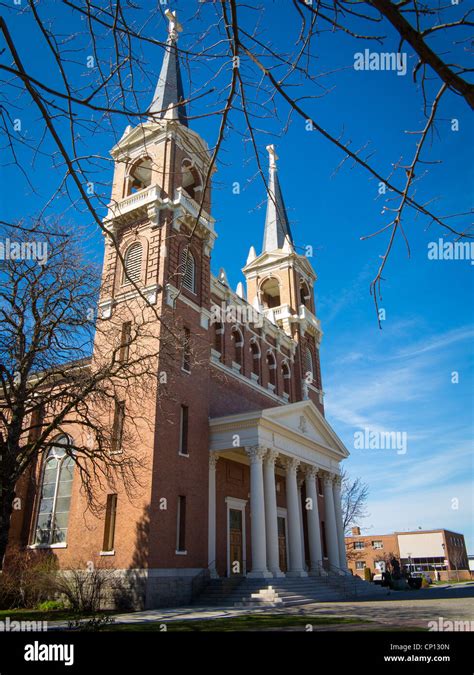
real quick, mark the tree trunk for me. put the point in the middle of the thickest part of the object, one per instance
(6, 508)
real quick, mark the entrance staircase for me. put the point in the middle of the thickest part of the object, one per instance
(287, 591)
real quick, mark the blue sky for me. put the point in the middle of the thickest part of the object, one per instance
(395, 379)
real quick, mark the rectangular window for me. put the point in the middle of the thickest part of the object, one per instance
(377, 544)
(183, 441)
(360, 564)
(359, 544)
(187, 350)
(181, 533)
(117, 430)
(36, 423)
(125, 341)
(109, 528)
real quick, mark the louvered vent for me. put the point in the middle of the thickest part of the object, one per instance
(188, 267)
(308, 363)
(133, 264)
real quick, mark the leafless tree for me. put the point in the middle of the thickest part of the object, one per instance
(50, 384)
(243, 76)
(458, 560)
(354, 494)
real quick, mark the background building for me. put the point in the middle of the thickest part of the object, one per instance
(428, 550)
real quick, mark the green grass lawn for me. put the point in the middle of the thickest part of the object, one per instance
(237, 623)
(452, 581)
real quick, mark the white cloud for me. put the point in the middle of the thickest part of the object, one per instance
(430, 509)
(393, 388)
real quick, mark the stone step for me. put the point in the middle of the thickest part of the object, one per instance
(285, 591)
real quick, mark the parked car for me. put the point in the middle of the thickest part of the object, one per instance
(422, 575)
(417, 573)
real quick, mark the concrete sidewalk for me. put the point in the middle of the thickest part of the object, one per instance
(402, 609)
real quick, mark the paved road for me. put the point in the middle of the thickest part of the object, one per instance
(404, 609)
(391, 613)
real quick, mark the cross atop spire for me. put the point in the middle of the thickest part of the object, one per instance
(169, 92)
(272, 156)
(277, 233)
(174, 27)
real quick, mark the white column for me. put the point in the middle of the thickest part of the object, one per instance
(314, 530)
(271, 514)
(256, 454)
(294, 528)
(211, 555)
(331, 528)
(299, 482)
(339, 524)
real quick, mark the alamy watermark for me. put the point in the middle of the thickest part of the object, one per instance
(229, 313)
(367, 60)
(24, 250)
(9, 626)
(369, 439)
(38, 651)
(451, 250)
(448, 626)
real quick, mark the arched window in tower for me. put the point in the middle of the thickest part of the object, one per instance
(132, 270)
(191, 179)
(56, 486)
(139, 176)
(285, 370)
(255, 365)
(238, 342)
(308, 366)
(188, 269)
(305, 295)
(271, 365)
(270, 293)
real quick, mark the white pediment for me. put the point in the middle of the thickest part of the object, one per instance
(305, 419)
(302, 424)
(296, 429)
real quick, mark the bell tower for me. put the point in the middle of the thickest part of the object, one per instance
(280, 284)
(161, 199)
(157, 273)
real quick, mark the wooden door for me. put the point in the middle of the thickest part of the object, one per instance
(282, 543)
(236, 542)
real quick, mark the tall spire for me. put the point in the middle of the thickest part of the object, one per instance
(169, 90)
(277, 228)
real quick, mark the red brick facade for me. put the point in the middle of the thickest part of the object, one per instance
(219, 381)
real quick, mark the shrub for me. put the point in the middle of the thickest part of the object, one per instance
(83, 586)
(26, 578)
(96, 623)
(367, 574)
(51, 605)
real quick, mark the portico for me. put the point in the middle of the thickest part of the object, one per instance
(295, 444)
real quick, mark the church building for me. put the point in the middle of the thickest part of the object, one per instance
(242, 469)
